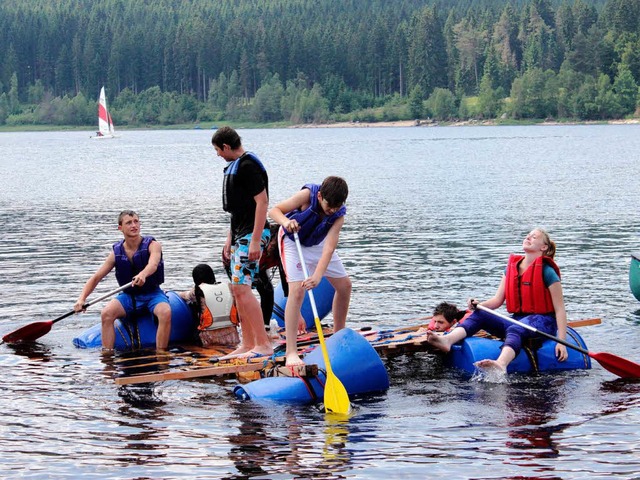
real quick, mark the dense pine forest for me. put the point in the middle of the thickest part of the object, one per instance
(315, 61)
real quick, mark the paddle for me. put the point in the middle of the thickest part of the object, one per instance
(616, 365)
(35, 330)
(336, 399)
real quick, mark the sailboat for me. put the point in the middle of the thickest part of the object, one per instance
(105, 124)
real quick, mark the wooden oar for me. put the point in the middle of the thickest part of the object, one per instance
(336, 398)
(35, 330)
(616, 365)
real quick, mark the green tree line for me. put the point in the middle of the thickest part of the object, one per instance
(303, 61)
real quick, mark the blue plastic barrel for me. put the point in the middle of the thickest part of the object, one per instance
(141, 332)
(323, 295)
(354, 361)
(464, 354)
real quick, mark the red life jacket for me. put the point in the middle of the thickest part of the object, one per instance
(528, 293)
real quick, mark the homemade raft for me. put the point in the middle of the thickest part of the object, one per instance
(140, 332)
(634, 275)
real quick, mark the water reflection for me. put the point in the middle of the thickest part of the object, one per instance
(272, 440)
(32, 350)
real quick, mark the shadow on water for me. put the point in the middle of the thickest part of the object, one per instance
(31, 350)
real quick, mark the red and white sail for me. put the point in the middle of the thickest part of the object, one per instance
(105, 124)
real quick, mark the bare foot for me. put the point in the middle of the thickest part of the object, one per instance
(491, 365)
(438, 341)
(241, 350)
(293, 359)
(262, 349)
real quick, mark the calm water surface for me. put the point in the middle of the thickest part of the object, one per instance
(433, 215)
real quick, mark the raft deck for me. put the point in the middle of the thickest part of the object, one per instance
(184, 362)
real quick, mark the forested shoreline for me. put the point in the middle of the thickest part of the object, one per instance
(304, 61)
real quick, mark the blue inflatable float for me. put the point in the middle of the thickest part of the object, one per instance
(353, 360)
(323, 294)
(531, 359)
(141, 332)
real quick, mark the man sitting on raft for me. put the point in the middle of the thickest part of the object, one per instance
(137, 259)
(533, 292)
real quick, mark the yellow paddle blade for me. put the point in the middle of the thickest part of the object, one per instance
(336, 399)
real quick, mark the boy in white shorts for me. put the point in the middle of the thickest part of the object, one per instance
(316, 213)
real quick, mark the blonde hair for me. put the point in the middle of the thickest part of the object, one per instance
(551, 245)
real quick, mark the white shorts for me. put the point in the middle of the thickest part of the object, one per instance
(291, 261)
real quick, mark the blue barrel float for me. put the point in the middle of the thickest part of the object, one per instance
(323, 295)
(141, 332)
(634, 275)
(353, 360)
(542, 359)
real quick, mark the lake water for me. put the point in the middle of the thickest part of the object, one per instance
(433, 215)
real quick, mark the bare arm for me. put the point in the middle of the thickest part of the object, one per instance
(93, 282)
(557, 297)
(155, 255)
(497, 300)
(278, 213)
(262, 204)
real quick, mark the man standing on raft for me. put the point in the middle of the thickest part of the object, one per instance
(137, 259)
(245, 195)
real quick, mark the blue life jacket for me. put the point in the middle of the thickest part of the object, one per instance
(314, 224)
(234, 199)
(126, 270)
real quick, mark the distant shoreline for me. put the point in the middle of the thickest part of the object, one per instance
(466, 123)
(390, 124)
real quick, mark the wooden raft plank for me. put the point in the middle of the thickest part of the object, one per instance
(179, 375)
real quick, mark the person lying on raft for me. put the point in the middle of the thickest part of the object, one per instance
(533, 292)
(446, 316)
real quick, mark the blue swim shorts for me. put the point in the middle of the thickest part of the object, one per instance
(243, 271)
(143, 301)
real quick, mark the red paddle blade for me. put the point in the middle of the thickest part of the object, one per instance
(28, 333)
(616, 365)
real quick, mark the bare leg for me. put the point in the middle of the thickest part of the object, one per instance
(507, 354)
(291, 319)
(110, 313)
(341, 301)
(254, 335)
(444, 342)
(163, 312)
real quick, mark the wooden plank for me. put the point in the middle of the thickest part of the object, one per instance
(184, 374)
(587, 322)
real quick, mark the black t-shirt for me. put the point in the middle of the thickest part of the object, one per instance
(244, 178)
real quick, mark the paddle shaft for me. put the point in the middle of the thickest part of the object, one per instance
(533, 329)
(314, 309)
(93, 302)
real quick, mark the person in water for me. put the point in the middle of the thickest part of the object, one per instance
(136, 259)
(533, 292)
(245, 195)
(317, 214)
(445, 317)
